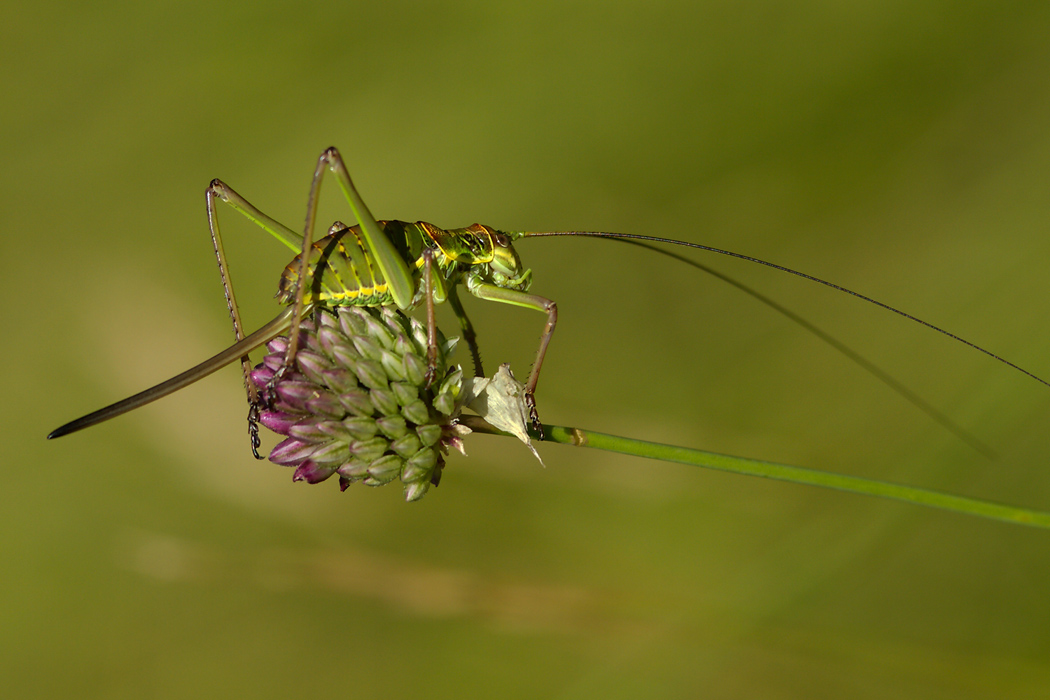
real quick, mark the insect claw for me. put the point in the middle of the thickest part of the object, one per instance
(271, 385)
(253, 429)
(534, 416)
(432, 353)
(267, 395)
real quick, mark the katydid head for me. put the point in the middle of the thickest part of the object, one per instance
(505, 267)
(492, 257)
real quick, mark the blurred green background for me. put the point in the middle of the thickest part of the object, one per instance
(901, 149)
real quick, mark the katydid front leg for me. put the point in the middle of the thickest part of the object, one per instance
(428, 293)
(467, 327)
(529, 301)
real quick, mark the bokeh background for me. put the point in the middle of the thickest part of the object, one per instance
(902, 149)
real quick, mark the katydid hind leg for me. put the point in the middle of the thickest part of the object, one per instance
(305, 273)
(391, 264)
(271, 330)
(291, 239)
(218, 190)
(305, 276)
(214, 190)
(393, 267)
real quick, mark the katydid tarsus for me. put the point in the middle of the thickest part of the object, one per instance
(376, 263)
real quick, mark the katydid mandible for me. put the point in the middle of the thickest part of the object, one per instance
(376, 263)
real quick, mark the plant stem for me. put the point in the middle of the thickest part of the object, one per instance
(783, 472)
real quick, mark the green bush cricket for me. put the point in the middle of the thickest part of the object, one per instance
(378, 263)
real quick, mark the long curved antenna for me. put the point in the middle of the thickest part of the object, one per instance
(268, 332)
(811, 278)
(851, 354)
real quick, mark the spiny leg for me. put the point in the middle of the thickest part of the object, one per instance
(382, 249)
(530, 387)
(235, 315)
(529, 301)
(428, 292)
(265, 334)
(468, 330)
(305, 276)
(391, 264)
(223, 192)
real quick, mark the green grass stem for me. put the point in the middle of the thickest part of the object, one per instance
(798, 475)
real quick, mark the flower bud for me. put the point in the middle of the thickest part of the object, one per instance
(356, 402)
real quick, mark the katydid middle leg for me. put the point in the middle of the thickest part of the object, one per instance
(428, 294)
(468, 330)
